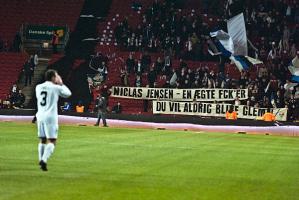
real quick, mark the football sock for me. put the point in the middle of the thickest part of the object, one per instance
(48, 152)
(41, 149)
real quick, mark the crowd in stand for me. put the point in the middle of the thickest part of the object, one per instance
(15, 99)
(15, 46)
(273, 32)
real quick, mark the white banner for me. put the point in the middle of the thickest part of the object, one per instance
(237, 30)
(213, 110)
(179, 94)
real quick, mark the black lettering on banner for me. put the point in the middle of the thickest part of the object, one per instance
(126, 91)
(209, 108)
(238, 93)
(170, 94)
(196, 94)
(195, 107)
(187, 94)
(139, 93)
(134, 93)
(222, 109)
(261, 112)
(171, 106)
(161, 106)
(44, 99)
(116, 91)
(200, 107)
(230, 94)
(186, 107)
(243, 95)
(163, 94)
(212, 94)
(218, 108)
(156, 94)
(245, 110)
(255, 112)
(177, 107)
(220, 94)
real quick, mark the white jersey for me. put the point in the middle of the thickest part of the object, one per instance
(47, 95)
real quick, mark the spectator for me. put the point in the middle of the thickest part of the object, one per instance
(268, 116)
(103, 70)
(80, 107)
(231, 114)
(55, 41)
(101, 107)
(19, 99)
(66, 107)
(16, 46)
(105, 92)
(32, 64)
(124, 76)
(151, 77)
(130, 63)
(28, 71)
(14, 88)
(35, 60)
(117, 109)
(138, 81)
(138, 68)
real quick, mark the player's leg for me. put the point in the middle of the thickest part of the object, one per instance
(48, 152)
(51, 133)
(34, 119)
(99, 118)
(41, 147)
(43, 140)
(103, 115)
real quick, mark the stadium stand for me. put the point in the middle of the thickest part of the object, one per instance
(14, 13)
(11, 65)
(133, 17)
(120, 28)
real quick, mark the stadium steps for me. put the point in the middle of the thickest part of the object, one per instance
(39, 72)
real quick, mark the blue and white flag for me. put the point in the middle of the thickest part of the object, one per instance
(233, 45)
(243, 63)
(224, 42)
(237, 31)
(295, 79)
(294, 69)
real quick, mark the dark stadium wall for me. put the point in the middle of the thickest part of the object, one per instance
(175, 119)
(86, 28)
(76, 48)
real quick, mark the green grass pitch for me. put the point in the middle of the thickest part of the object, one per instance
(93, 163)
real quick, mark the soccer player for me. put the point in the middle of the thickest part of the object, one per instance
(47, 95)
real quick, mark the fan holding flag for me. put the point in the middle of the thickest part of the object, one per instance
(233, 45)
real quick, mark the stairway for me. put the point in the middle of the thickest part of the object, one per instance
(39, 72)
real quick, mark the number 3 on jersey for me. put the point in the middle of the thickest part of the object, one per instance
(44, 99)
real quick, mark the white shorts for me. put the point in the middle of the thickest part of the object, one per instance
(47, 130)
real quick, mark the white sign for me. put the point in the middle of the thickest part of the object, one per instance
(179, 94)
(214, 110)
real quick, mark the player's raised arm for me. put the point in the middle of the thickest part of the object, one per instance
(64, 91)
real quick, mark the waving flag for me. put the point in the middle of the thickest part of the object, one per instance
(294, 69)
(233, 45)
(237, 31)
